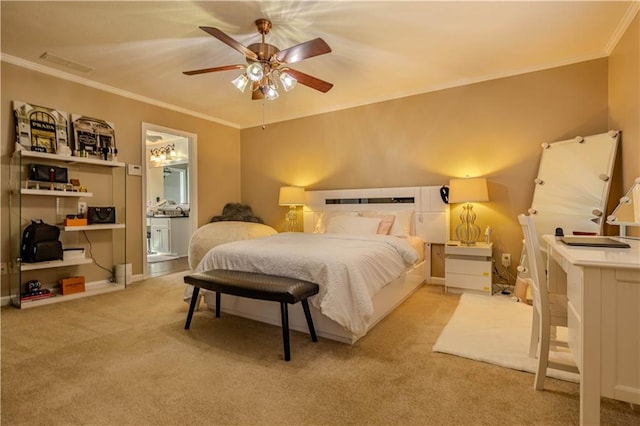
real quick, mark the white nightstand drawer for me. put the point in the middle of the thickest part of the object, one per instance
(469, 282)
(479, 249)
(468, 266)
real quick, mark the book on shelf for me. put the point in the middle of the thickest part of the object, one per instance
(35, 295)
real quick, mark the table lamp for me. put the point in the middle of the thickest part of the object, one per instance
(291, 196)
(466, 191)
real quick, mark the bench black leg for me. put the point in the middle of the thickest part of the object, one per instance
(192, 306)
(217, 304)
(307, 315)
(284, 311)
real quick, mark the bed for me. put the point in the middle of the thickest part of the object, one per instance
(368, 250)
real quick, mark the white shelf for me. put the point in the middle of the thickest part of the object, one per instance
(29, 199)
(53, 264)
(54, 193)
(96, 227)
(71, 159)
(92, 290)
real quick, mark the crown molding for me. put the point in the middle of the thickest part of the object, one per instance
(106, 88)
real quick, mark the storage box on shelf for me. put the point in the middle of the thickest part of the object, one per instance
(102, 184)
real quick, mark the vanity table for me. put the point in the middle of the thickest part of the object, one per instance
(603, 290)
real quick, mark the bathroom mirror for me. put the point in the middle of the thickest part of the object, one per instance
(627, 213)
(176, 183)
(572, 186)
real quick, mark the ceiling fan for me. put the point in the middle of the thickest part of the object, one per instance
(267, 64)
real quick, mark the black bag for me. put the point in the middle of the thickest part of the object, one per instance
(47, 250)
(97, 215)
(44, 173)
(40, 243)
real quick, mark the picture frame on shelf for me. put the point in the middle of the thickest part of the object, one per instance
(93, 137)
(39, 128)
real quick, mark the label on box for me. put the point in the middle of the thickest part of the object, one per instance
(75, 222)
(72, 285)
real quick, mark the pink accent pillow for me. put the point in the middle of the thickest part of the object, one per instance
(386, 221)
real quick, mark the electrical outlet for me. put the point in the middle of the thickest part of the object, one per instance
(82, 207)
(506, 259)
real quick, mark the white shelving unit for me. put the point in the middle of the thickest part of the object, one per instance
(107, 180)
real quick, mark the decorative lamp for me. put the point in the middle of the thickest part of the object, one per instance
(291, 196)
(466, 191)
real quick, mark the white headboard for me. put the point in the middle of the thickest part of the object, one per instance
(431, 214)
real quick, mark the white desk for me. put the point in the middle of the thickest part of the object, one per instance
(603, 288)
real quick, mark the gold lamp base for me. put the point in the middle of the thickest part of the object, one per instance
(468, 232)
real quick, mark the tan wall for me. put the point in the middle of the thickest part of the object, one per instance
(491, 129)
(218, 158)
(624, 109)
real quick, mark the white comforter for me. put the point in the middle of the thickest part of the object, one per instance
(350, 269)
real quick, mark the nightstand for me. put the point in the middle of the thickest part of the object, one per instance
(468, 267)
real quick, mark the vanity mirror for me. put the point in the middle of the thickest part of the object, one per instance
(627, 213)
(572, 186)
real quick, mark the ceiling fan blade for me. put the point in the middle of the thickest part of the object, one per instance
(230, 42)
(214, 69)
(308, 80)
(301, 51)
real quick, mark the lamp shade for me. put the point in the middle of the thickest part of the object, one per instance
(468, 190)
(291, 196)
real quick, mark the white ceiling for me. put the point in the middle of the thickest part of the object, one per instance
(381, 50)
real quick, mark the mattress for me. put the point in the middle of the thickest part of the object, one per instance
(350, 269)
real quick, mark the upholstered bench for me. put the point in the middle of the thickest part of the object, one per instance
(255, 286)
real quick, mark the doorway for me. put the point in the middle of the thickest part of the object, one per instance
(169, 188)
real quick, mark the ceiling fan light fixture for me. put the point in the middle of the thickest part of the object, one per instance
(241, 82)
(264, 64)
(255, 72)
(271, 93)
(287, 80)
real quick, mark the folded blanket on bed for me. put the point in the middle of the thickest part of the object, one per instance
(350, 269)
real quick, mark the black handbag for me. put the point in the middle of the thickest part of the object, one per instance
(97, 215)
(44, 173)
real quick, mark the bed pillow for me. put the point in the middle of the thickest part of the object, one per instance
(401, 226)
(354, 225)
(325, 217)
(386, 221)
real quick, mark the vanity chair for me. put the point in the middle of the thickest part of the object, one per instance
(549, 310)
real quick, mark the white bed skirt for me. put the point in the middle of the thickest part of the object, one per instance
(387, 299)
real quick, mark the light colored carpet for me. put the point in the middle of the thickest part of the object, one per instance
(497, 330)
(124, 358)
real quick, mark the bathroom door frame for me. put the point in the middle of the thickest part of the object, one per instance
(192, 139)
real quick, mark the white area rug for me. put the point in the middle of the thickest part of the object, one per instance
(153, 258)
(495, 329)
